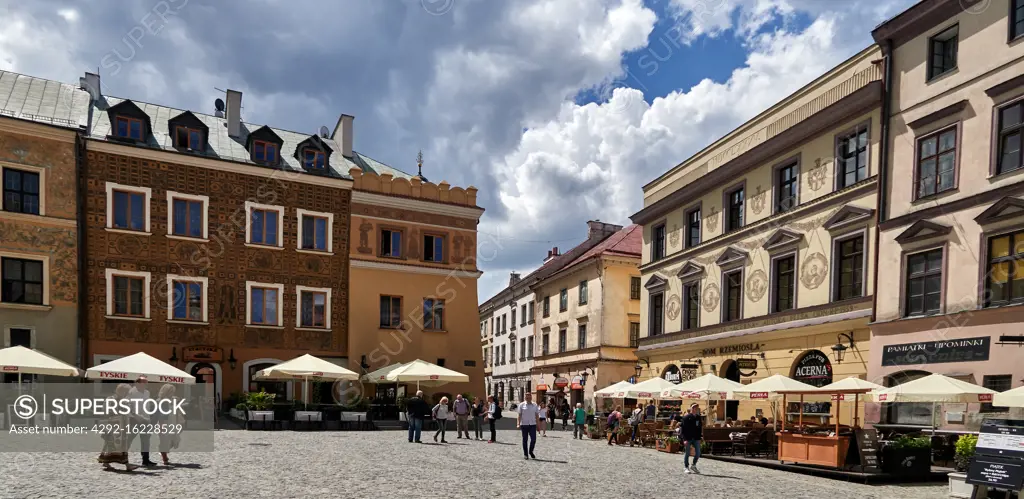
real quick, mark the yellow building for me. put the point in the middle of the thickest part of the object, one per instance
(413, 275)
(758, 251)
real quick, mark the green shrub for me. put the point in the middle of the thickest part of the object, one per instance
(908, 442)
(671, 440)
(259, 401)
(965, 448)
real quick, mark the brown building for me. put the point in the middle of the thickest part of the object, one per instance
(216, 245)
(39, 158)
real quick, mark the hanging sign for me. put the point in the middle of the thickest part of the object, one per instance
(561, 382)
(671, 373)
(814, 369)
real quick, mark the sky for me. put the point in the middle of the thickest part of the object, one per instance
(558, 111)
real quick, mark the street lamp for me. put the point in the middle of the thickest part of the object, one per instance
(232, 361)
(839, 349)
(638, 369)
(584, 375)
(174, 356)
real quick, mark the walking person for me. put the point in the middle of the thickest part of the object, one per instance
(416, 410)
(478, 418)
(552, 413)
(613, 424)
(117, 440)
(140, 394)
(566, 412)
(542, 418)
(462, 410)
(634, 421)
(529, 415)
(692, 433)
(579, 419)
(493, 415)
(169, 439)
(440, 414)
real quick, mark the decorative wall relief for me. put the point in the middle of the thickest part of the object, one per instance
(673, 307)
(711, 222)
(315, 264)
(814, 270)
(227, 308)
(710, 297)
(818, 176)
(674, 236)
(201, 335)
(125, 245)
(810, 224)
(263, 338)
(263, 259)
(184, 251)
(759, 200)
(364, 237)
(313, 340)
(757, 285)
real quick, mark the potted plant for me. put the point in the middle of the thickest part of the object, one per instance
(260, 405)
(593, 432)
(908, 456)
(667, 444)
(622, 434)
(965, 448)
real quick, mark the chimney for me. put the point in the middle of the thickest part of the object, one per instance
(552, 253)
(233, 112)
(597, 229)
(343, 134)
(513, 278)
(91, 83)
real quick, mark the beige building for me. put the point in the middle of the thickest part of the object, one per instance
(758, 251)
(952, 197)
(587, 306)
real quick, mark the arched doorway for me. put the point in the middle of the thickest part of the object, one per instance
(205, 374)
(731, 371)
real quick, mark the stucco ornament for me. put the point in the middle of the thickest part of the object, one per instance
(817, 177)
(814, 270)
(711, 222)
(758, 200)
(757, 285)
(711, 297)
(673, 307)
(673, 236)
(364, 237)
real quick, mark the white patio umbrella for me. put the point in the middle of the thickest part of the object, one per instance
(611, 391)
(423, 372)
(1010, 398)
(305, 367)
(935, 388)
(131, 367)
(21, 360)
(707, 387)
(649, 389)
(852, 383)
(769, 388)
(380, 375)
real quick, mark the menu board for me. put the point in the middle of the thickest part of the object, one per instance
(867, 446)
(1002, 437)
(996, 472)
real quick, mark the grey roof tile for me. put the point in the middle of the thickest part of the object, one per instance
(43, 101)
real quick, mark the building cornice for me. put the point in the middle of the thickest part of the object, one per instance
(363, 197)
(42, 130)
(918, 19)
(37, 219)
(414, 269)
(958, 205)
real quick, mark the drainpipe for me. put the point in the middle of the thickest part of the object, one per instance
(83, 307)
(883, 163)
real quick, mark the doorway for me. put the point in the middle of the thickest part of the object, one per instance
(206, 374)
(731, 371)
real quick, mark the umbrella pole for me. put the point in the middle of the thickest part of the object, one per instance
(305, 393)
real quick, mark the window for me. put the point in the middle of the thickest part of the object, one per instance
(264, 152)
(391, 243)
(21, 191)
(563, 300)
(529, 309)
(924, 283)
(1016, 19)
(732, 296)
(634, 334)
(187, 298)
(390, 311)
(129, 128)
(522, 315)
(942, 51)
(265, 304)
(545, 344)
(936, 162)
(19, 337)
(1010, 130)
(512, 351)
(1004, 255)
(583, 292)
(315, 230)
(188, 215)
(734, 217)
(513, 318)
(433, 314)
(129, 210)
(693, 228)
(581, 336)
(547, 306)
(784, 285)
(22, 281)
(314, 160)
(691, 306)
(656, 324)
(503, 355)
(849, 280)
(433, 248)
(129, 296)
(999, 383)
(634, 288)
(314, 305)
(264, 226)
(188, 138)
(786, 182)
(852, 158)
(562, 334)
(529, 347)
(658, 243)
(522, 349)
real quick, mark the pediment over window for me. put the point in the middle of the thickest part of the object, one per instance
(264, 133)
(1004, 209)
(782, 238)
(189, 123)
(656, 282)
(731, 256)
(313, 153)
(264, 146)
(848, 216)
(922, 230)
(129, 112)
(690, 271)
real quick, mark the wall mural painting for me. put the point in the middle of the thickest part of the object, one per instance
(673, 307)
(61, 244)
(711, 222)
(818, 176)
(757, 285)
(711, 297)
(313, 340)
(263, 338)
(811, 224)
(674, 236)
(263, 260)
(364, 237)
(316, 264)
(227, 309)
(759, 200)
(414, 243)
(814, 270)
(457, 253)
(126, 245)
(191, 335)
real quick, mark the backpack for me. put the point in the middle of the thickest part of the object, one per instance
(497, 411)
(634, 419)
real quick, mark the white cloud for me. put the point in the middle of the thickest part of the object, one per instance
(69, 15)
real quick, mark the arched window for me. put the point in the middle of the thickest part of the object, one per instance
(279, 388)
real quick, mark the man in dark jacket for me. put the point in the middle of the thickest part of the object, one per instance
(691, 432)
(416, 409)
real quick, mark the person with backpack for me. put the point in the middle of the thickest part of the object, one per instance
(634, 421)
(462, 409)
(579, 421)
(440, 414)
(493, 415)
(613, 424)
(566, 412)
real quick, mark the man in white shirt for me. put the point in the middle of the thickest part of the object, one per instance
(527, 422)
(141, 394)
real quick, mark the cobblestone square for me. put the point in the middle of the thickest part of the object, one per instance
(285, 464)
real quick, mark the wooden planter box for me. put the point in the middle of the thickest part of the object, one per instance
(664, 446)
(906, 461)
(596, 435)
(622, 438)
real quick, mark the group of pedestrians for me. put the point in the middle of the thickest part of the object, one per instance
(418, 410)
(118, 440)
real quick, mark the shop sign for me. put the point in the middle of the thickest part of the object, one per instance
(561, 382)
(814, 369)
(542, 388)
(1002, 437)
(937, 352)
(746, 364)
(203, 354)
(671, 373)
(731, 349)
(577, 383)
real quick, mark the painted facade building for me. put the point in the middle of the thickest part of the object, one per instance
(587, 309)
(758, 251)
(486, 311)
(513, 311)
(40, 122)
(952, 206)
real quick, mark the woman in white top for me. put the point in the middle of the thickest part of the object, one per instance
(440, 414)
(542, 415)
(492, 412)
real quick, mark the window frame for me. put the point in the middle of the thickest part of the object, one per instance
(583, 290)
(727, 207)
(401, 242)
(8, 328)
(581, 336)
(299, 291)
(1012, 20)
(329, 217)
(932, 41)
(724, 315)
(773, 306)
(686, 316)
(995, 168)
(656, 297)
(436, 304)
(563, 300)
(634, 334)
(937, 133)
(546, 309)
(839, 181)
(984, 299)
(265, 144)
(905, 278)
(173, 196)
(794, 163)
(563, 339)
(545, 343)
(987, 381)
(146, 277)
(205, 307)
(188, 137)
(687, 227)
(391, 304)
(44, 260)
(317, 155)
(23, 169)
(249, 208)
(835, 277)
(249, 287)
(147, 194)
(635, 285)
(529, 347)
(659, 246)
(129, 120)
(444, 247)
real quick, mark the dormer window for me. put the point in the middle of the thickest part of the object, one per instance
(129, 128)
(188, 138)
(314, 160)
(264, 152)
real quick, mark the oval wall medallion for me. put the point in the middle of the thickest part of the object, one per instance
(814, 270)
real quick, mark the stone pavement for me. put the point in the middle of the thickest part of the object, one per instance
(383, 465)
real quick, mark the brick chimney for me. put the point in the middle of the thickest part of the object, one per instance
(233, 113)
(552, 253)
(597, 229)
(514, 278)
